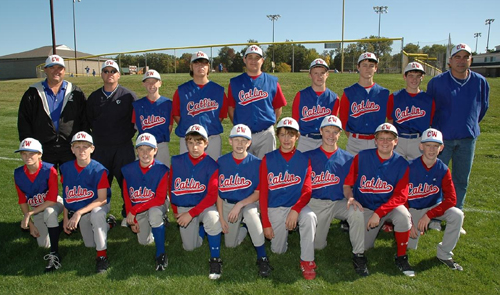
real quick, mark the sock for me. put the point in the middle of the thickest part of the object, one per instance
(54, 239)
(102, 253)
(159, 235)
(261, 251)
(202, 231)
(214, 244)
(402, 242)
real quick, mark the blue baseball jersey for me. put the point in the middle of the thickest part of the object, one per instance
(153, 117)
(141, 186)
(328, 174)
(80, 189)
(238, 181)
(200, 106)
(425, 186)
(313, 108)
(411, 114)
(36, 191)
(254, 101)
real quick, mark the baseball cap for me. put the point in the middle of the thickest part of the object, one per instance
(414, 66)
(197, 128)
(30, 145)
(145, 139)
(151, 74)
(331, 121)
(241, 130)
(319, 63)
(110, 63)
(82, 136)
(460, 47)
(254, 49)
(432, 135)
(199, 55)
(54, 60)
(367, 55)
(387, 127)
(289, 123)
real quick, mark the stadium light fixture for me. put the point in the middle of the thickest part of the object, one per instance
(273, 17)
(477, 35)
(379, 10)
(488, 23)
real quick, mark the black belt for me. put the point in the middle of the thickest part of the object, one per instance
(409, 135)
(313, 135)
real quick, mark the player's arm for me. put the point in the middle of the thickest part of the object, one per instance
(176, 107)
(220, 209)
(223, 112)
(305, 197)
(230, 104)
(485, 100)
(449, 197)
(399, 196)
(295, 107)
(263, 200)
(279, 101)
(344, 112)
(349, 182)
(390, 107)
(235, 212)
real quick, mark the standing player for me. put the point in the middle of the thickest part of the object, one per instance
(432, 195)
(193, 194)
(239, 196)
(410, 111)
(312, 104)
(285, 190)
(255, 99)
(145, 183)
(153, 114)
(86, 195)
(200, 101)
(36, 186)
(378, 180)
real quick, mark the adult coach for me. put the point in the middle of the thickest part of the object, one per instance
(255, 99)
(462, 98)
(109, 111)
(52, 111)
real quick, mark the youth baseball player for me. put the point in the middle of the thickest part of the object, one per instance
(312, 104)
(86, 196)
(36, 186)
(432, 195)
(200, 101)
(255, 99)
(193, 194)
(239, 196)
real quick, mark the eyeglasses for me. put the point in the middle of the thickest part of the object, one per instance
(112, 71)
(386, 139)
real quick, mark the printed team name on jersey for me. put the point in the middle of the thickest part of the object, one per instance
(151, 121)
(204, 105)
(373, 186)
(324, 179)
(37, 200)
(141, 195)
(78, 194)
(188, 186)
(408, 114)
(314, 113)
(251, 96)
(282, 180)
(363, 107)
(233, 183)
(422, 190)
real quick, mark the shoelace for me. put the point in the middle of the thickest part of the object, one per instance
(53, 260)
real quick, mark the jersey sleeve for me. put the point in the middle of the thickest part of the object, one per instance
(351, 177)
(390, 106)
(176, 105)
(295, 107)
(133, 116)
(126, 197)
(223, 110)
(279, 99)
(20, 196)
(449, 197)
(344, 110)
(263, 194)
(103, 183)
(306, 192)
(53, 186)
(210, 198)
(399, 196)
(336, 107)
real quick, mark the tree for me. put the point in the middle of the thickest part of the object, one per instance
(283, 68)
(411, 48)
(184, 63)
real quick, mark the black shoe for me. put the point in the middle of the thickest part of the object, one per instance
(54, 262)
(161, 262)
(344, 226)
(215, 268)
(359, 261)
(451, 264)
(111, 220)
(102, 264)
(264, 267)
(404, 266)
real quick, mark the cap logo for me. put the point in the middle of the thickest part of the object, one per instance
(144, 137)
(109, 63)
(460, 46)
(81, 136)
(386, 127)
(150, 73)
(431, 133)
(332, 120)
(253, 48)
(26, 143)
(241, 129)
(368, 55)
(195, 128)
(199, 53)
(287, 122)
(55, 58)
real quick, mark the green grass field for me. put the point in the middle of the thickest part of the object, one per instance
(132, 265)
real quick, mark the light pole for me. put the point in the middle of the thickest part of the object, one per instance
(488, 22)
(379, 10)
(477, 35)
(74, 36)
(273, 17)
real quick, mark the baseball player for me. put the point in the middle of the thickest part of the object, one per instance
(312, 104)
(193, 194)
(145, 183)
(153, 114)
(200, 101)
(36, 186)
(378, 182)
(86, 195)
(239, 195)
(285, 190)
(432, 195)
(255, 99)
(410, 111)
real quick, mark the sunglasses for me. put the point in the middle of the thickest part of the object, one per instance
(112, 71)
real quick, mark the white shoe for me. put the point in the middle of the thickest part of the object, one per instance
(124, 223)
(462, 231)
(435, 225)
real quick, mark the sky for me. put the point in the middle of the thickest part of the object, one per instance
(109, 26)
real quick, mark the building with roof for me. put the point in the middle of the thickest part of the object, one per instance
(487, 64)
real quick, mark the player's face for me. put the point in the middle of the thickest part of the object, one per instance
(82, 151)
(152, 85)
(253, 63)
(196, 148)
(31, 158)
(110, 75)
(287, 140)
(330, 135)
(367, 69)
(430, 150)
(385, 142)
(460, 62)
(200, 68)
(240, 145)
(55, 74)
(146, 155)
(413, 80)
(318, 76)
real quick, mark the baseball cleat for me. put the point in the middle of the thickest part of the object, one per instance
(404, 266)
(215, 268)
(344, 226)
(359, 261)
(102, 264)
(462, 231)
(435, 225)
(264, 267)
(54, 262)
(308, 269)
(124, 223)
(161, 262)
(111, 221)
(451, 264)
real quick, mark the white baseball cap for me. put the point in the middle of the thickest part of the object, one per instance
(414, 66)
(367, 55)
(432, 135)
(145, 139)
(288, 122)
(254, 49)
(331, 121)
(241, 130)
(110, 63)
(54, 60)
(82, 136)
(318, 63)
(151, 74)
(460, 47)
(199, 55)
(387, 127)
(30, 145)
(197, 128)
